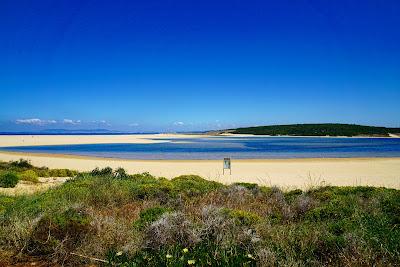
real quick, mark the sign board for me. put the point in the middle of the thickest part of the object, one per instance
(227, 165)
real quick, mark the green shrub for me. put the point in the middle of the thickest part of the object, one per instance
(69, 227)
(150, 215)
(120, 173)
(193, 185)
(160, 189)
(61, 173)
(43, 172)
(5, 201)
(291, 195)
(143, 178)
(105, 190)
(21, 163)
(9, 179)
(335, 209)
(265, 190)
(242, 217)
(102, 172)
(30, 176)
(58, 173)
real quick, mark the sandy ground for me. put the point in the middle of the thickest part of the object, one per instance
(41, 140)
(286, 173)
(26, 188)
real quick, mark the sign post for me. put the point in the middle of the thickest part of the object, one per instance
(227, 166)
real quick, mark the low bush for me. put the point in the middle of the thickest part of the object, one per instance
(43, 172)
(21, 163)
(169, 230)
(62, 173)
(120, 173)
(150, 215)
(9, 179)
(337, 208)
(161, 190)
(193, 185)
(107, 171)
(68, 228)
(5, 201)
(242, 217)
(30, 176)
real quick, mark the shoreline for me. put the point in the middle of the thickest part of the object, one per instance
(286, 173)
(62, 139)
(71, 156)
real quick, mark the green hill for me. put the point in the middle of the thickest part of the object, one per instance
(326, 129)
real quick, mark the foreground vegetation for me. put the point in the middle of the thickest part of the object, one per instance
(108, 217)
(327, 129)
(14, 171)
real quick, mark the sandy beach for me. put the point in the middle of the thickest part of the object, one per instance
(42, 140)
(286, 173)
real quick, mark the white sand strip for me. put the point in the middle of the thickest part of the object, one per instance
(287, 173)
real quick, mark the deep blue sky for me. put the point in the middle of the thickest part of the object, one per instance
(193, 65)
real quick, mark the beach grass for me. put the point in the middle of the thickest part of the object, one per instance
(106, 218)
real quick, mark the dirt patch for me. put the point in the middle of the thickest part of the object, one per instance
(27, 188)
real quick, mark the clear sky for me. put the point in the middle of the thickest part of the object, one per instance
(197, 65)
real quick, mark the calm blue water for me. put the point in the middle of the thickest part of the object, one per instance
(237, 147)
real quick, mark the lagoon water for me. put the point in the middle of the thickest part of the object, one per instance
(234, 147)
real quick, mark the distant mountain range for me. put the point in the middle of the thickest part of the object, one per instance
(325, 129)
(322, 129)
(67, 132)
